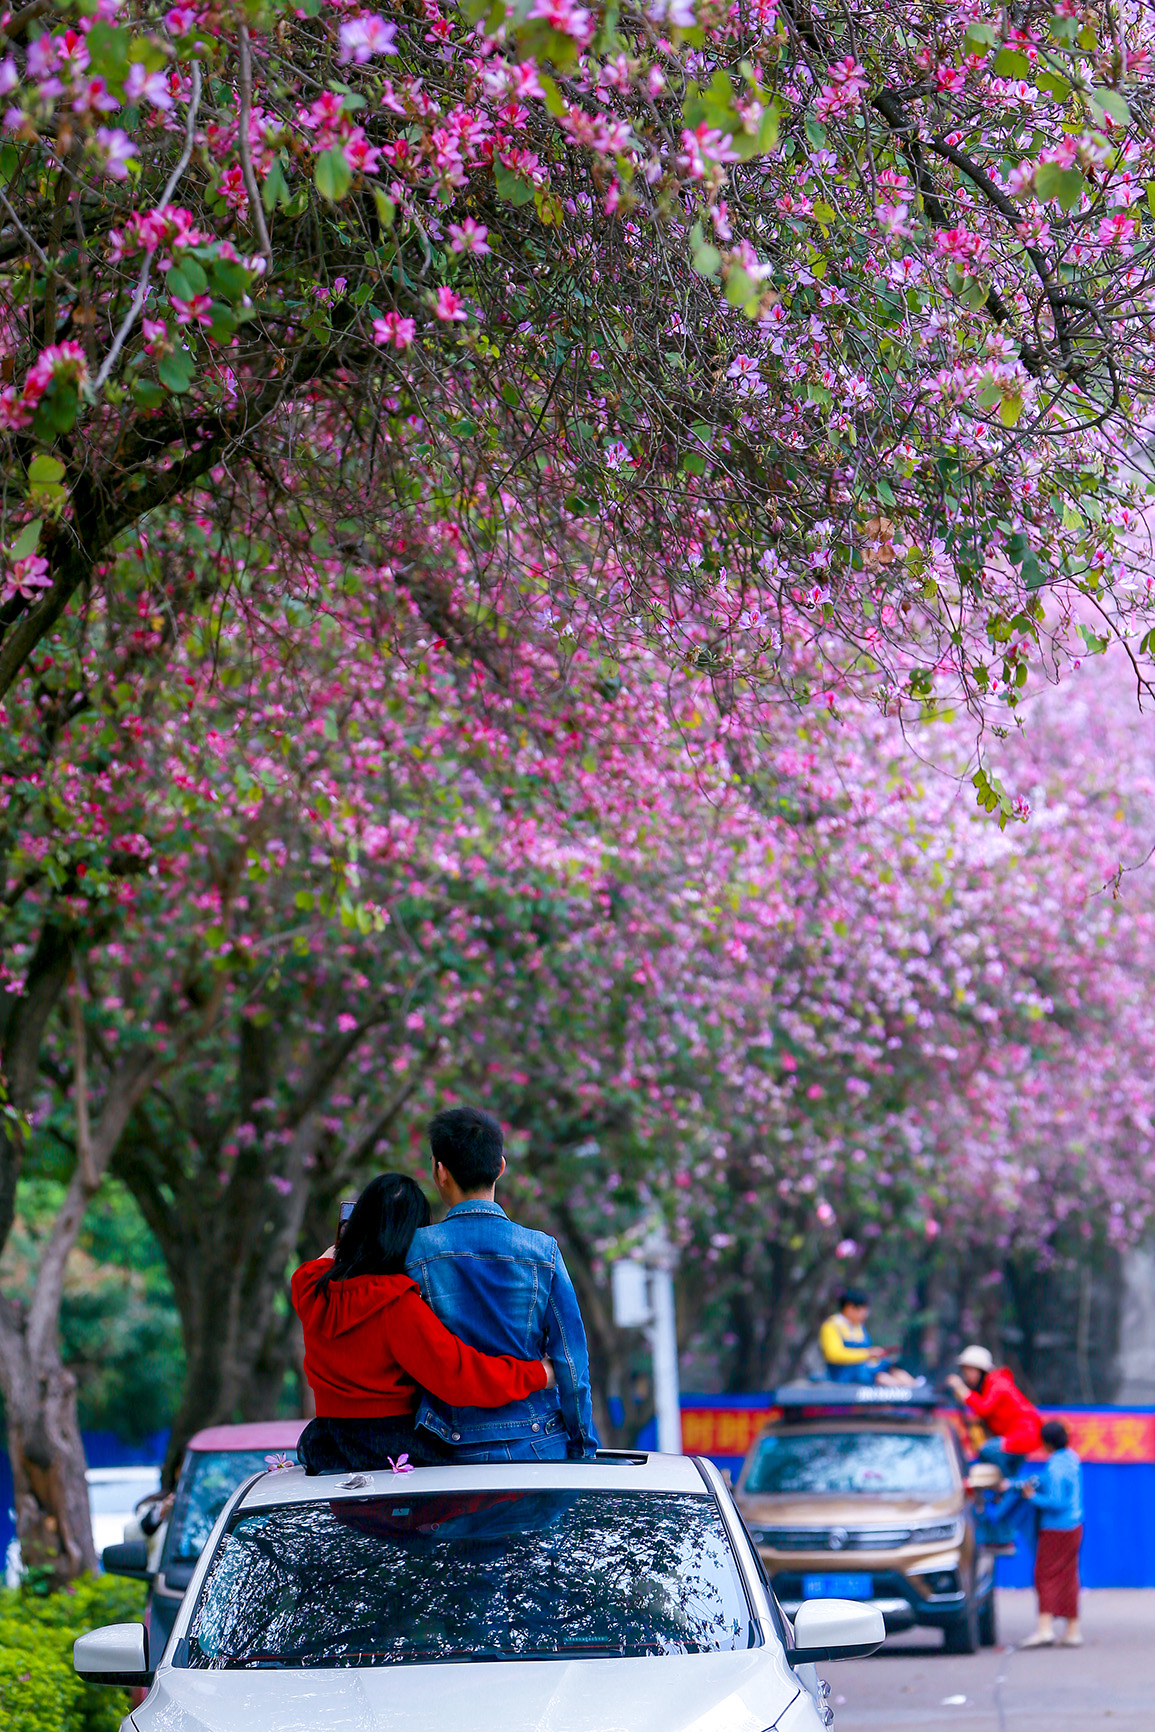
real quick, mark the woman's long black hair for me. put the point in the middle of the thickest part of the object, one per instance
(375, 1240)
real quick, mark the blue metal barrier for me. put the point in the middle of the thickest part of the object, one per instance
(1118, 1496)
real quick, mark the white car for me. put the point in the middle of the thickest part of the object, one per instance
(113, 1494)
(574, 1596)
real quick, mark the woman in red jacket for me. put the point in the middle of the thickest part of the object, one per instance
(371, 1342)
(993, 1396)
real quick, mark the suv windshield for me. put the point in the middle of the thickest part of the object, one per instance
(886, 1462)
(208, 1480)
(470, 1576)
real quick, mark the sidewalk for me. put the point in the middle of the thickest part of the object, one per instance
(1110, 1682)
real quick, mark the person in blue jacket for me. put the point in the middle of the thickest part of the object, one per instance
(1057, 1495)
(492, 1281)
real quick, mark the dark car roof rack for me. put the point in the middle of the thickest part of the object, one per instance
(623, 1457)
(806, 1400)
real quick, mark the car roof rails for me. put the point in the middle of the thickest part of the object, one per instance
(623, 1457)
(799, 1400)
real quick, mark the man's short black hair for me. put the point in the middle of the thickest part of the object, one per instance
(1054, 1434)
(853, 1296)
(469, 1143)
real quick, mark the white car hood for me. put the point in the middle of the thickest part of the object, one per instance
(743, 1692)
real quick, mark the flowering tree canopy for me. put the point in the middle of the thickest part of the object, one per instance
(776, 319)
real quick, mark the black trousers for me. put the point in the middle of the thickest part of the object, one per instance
(362, 1445)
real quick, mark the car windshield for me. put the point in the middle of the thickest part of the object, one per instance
(887, 1462)
(470, 1576)
(207, 1481)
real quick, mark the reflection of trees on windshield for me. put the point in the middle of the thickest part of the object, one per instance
(848, 1461)
(206, 1486)
(496, 1575)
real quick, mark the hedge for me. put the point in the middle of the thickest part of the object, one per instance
(39, 1691)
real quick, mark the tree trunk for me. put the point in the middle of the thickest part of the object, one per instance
(50, 1493)
(44, 1444)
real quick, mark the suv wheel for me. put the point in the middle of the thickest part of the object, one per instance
(963, 1636)
(988, 1622)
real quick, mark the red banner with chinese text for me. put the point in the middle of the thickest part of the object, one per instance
(1106, 1435)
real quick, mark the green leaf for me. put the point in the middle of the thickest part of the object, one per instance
(1010, 409)
(275, 189)
(148, 394)
(187, 279)
(707, 261)
(229, 280)
(823, 213)
(512, 187)
(1009, 63)
(27, 541)
(554, 100)
(740, 286)
(332, 174)
(815, 133)
(386, 209)
(1053, 85)
(694, 463)
(45, 486)
(984, 35)
(177, 370)
(1111, 103)
(1065, 184)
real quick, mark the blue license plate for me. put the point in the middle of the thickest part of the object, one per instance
(843, 1587)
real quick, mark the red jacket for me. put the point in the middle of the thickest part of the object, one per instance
(1005, 1411)
(371, 1341)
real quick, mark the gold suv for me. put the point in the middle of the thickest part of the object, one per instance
(860, 1493)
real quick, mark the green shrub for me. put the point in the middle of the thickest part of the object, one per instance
(39, 1691)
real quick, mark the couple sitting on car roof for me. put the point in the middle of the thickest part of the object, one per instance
(417, 1336)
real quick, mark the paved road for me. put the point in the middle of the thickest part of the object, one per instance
(1110, 1683)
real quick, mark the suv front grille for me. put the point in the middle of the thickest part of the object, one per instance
(835, 1539)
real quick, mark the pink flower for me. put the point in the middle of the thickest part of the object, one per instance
(846, 1248)
(401, 1465)
(346, 1023)
(394, 329)
(144, 86)
(564, 16)
(26, 577)
(94, 98)
(468, 237)
(278, 1463)
(180, 20)
(449, 306)
(281, 1184)
(825, 1214)
(617, 455)
(9, 75)
(117, 149)
(362, 38)
(198, 311)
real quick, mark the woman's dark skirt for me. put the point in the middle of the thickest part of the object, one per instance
(1057, 1571)
(365, 1445)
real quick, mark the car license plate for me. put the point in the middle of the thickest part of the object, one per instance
(843, 1587)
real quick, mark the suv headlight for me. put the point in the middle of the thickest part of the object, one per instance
(944, 1533)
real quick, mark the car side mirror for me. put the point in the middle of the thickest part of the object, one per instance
(116, 1654)
(128, 1559)
(835, 1630)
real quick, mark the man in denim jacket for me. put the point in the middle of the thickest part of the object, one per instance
(503, 1289)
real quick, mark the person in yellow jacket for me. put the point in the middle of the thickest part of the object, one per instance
(850, 1355)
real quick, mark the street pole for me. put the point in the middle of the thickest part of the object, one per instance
(663, 1335)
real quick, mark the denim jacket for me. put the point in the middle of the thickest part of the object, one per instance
(505, 1289)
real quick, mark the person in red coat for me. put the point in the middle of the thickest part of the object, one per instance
(371, 1343)
(993, 1396)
